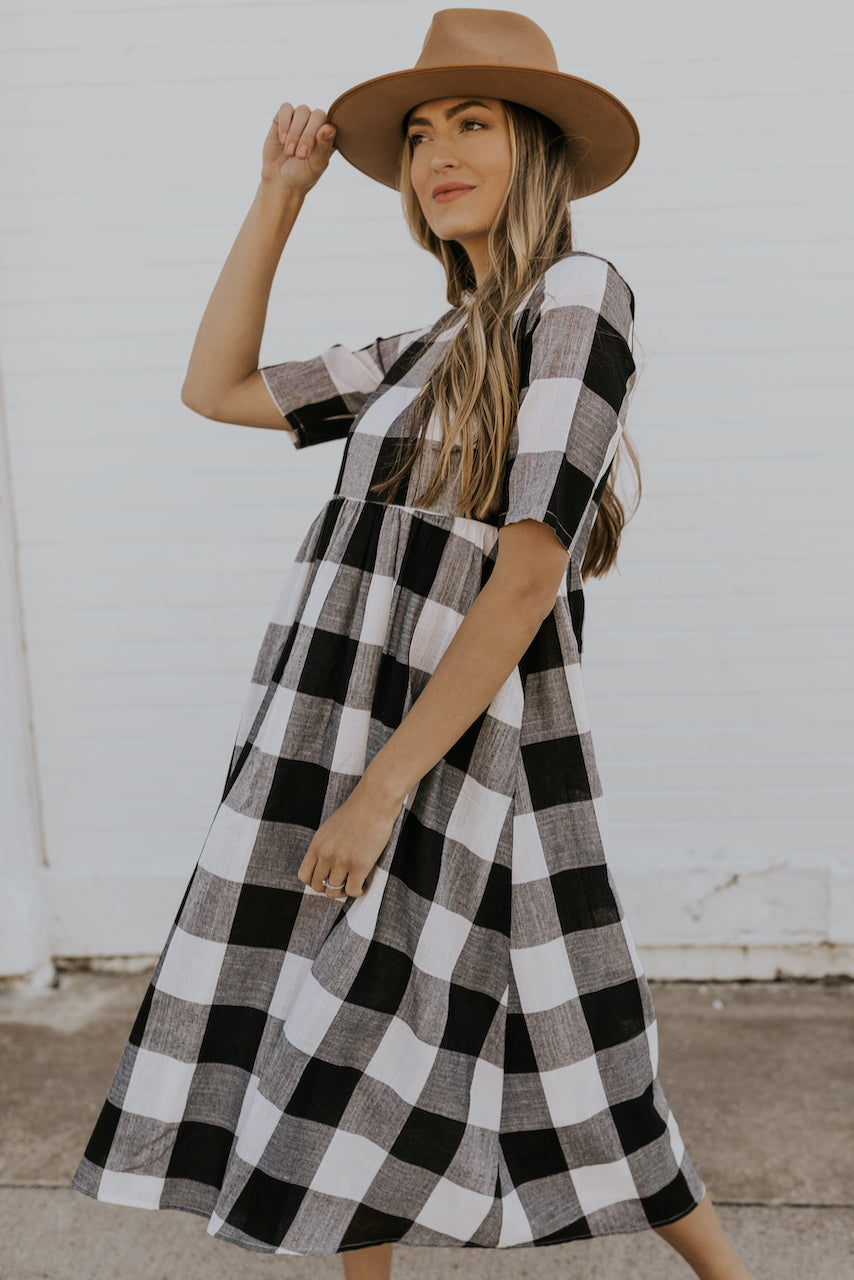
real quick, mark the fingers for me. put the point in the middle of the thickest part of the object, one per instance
(299, 128)
(336, 878)
(351, 881)
(314, 877)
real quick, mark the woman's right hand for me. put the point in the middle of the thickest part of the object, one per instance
(298, 148)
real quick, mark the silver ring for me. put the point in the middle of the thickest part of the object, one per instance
(326, 883)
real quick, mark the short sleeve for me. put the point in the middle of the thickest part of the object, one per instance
(321, 396)
(577, 373)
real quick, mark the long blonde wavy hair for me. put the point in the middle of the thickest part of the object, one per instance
(477, 379)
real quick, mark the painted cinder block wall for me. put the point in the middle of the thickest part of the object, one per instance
(143, 546)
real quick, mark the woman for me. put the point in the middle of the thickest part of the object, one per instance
(400, 1001)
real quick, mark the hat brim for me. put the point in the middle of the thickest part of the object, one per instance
(602, 133)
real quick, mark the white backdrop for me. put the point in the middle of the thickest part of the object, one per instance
(144, 545)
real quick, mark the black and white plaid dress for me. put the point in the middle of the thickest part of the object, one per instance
(466, 1054)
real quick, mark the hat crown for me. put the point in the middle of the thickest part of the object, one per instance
(487, 37)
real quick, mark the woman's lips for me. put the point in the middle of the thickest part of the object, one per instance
(444, 196)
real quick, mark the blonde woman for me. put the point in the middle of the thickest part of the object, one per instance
(400, 1001)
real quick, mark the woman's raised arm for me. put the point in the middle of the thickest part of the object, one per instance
(222, 380)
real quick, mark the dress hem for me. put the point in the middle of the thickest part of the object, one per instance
(367, 1244)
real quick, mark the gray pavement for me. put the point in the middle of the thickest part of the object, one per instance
(760, 1077)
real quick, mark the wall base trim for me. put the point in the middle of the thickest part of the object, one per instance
(760, 964)
(100, 920)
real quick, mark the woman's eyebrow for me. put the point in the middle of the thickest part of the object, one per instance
(452, 111)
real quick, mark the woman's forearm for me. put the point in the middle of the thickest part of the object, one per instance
(487, 645)
(228, 342)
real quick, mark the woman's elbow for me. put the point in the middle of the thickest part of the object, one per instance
(193, 400)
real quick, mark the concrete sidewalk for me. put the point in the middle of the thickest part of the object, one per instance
(760, 1077)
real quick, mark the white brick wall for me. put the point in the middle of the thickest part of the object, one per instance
(151, 542)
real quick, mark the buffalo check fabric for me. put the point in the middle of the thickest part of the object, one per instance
(467, 1053)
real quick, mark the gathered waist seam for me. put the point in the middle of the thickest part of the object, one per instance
(416, 511)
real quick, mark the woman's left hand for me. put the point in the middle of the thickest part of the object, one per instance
(345, 848)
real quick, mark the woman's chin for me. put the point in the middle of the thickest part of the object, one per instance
(459, 229)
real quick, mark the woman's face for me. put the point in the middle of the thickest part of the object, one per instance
(462, 143)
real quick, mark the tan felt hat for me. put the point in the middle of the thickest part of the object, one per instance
(500, 55)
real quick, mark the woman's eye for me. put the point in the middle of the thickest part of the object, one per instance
(414, 138)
